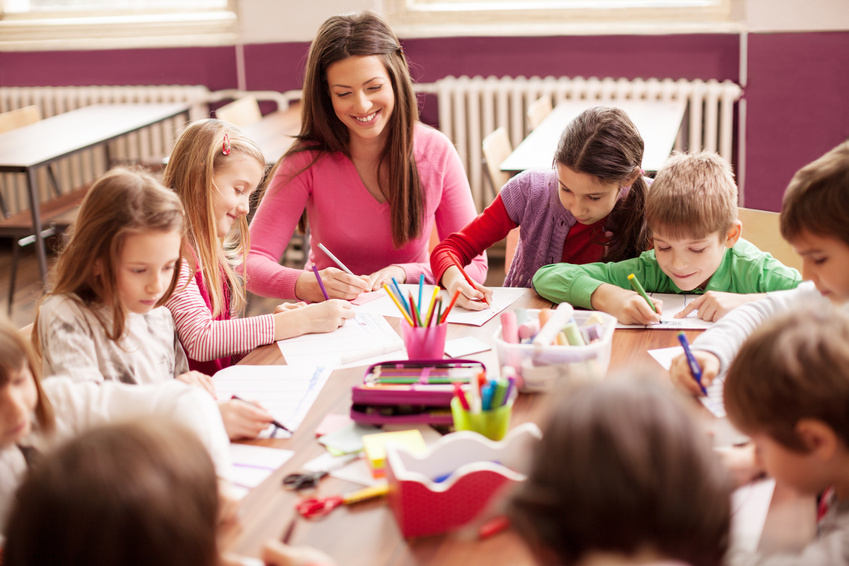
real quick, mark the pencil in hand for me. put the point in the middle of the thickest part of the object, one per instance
(632, 279)
(466, 276)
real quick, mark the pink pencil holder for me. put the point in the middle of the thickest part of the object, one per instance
(424, 343)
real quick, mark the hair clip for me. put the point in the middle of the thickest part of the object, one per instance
(642, 172)
(226, 149)
(400, 51)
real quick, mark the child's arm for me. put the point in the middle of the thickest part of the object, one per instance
(713, 305)
(491, 226)
(206, 339)
(317, 317)
(80, 406)
(583, 286)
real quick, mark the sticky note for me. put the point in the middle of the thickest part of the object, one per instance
(375, 447)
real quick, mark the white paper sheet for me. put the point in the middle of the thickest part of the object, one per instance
(713, 402)
(252, 464)
(287, 392)
(502, 297)
(749, 508)
(356, 343)
(672, 305)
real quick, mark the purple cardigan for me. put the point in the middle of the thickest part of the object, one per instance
(532, 201)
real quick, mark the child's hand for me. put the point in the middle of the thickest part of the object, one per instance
(285, 307)
(627, 306)
(199, 379)
(337, 283)
(384, 277)
(242, 419)
(682, 378)
(471, 298)
(713, 305)
(742, 463)
(329, 315)
(276, 553)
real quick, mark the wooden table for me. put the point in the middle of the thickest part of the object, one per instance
(26, 149)
(367, 533)
(657, 121)
(276, 132)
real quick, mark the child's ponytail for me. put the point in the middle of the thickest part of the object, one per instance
(628, 221)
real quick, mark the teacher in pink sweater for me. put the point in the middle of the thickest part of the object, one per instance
(372, 179)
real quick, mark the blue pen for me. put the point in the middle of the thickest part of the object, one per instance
(421, 285)
(694, 365)
(401, 296)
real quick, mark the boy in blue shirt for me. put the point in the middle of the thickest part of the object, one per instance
(691, 210)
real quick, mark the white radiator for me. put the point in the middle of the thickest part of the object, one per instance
(471, 108)
(150, 144)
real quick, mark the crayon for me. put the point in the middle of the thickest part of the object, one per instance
(639, 289)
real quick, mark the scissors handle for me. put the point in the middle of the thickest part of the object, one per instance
(310, 508)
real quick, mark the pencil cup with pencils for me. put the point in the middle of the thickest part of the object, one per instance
(424, 342)
(492, 419)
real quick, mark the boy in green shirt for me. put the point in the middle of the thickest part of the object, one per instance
(691, 209)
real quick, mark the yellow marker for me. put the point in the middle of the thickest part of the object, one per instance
(639, 289)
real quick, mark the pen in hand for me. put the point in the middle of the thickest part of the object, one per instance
(273, 422)
(691, 361)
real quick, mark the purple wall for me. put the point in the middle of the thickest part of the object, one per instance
(795, 96)
(797, 100)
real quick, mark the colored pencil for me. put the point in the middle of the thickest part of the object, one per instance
(432, 305)
(466, 275)
(450, 306)
(320, 282)
(397, 304)
(401, 296)
(335, 260)
(417, 320)
(421, 286)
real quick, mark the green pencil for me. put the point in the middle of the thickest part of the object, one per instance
(639, 289)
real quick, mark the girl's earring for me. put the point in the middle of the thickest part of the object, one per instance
(226, 146)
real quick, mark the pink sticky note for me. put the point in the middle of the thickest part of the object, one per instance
(332, 423)
(364, 298)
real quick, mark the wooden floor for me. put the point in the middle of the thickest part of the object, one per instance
(28, 288)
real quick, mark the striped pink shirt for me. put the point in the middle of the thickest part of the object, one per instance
(206, 339)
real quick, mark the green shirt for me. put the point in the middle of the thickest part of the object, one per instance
(744, 269)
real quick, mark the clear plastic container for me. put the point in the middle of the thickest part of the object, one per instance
(544, 368)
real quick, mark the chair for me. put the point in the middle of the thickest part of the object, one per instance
(537, 111)
(496, 148)
(56, 213)
(240, 112)
(761, 228)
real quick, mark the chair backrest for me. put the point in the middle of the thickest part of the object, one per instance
(496, 148)
(537, 111)
(241, 112)
(18, 118)
(761, 228)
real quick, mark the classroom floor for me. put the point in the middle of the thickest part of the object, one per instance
(28, 284)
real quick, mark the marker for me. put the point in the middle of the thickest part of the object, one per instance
(335, 260)
(466, 275)
(639, 289)
(694, 365)
(320, 282)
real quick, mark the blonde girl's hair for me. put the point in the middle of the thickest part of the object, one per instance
(121, 203)
(359, 35)
(15, 355)
(197, 155)
(128, 494)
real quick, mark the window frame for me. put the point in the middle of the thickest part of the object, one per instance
(440, 18)
(110, 29)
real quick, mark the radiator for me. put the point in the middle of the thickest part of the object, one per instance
(470, 108)
(148, 145)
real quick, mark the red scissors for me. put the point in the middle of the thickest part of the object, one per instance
(318, 507)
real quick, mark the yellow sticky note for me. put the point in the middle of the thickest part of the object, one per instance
(375, 446)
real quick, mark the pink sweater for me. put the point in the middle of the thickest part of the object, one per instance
(205, 339)
(350, 222)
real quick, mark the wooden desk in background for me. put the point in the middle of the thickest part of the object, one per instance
(367, 534)
(657, 121)
(276, 132)
(26, 149)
